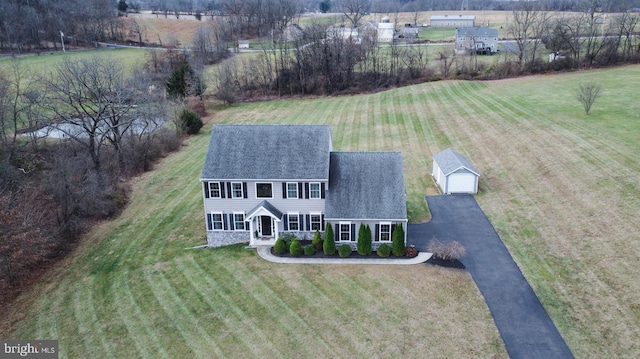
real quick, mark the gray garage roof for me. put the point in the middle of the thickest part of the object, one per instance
(450, 161)
(268, 152)
(366, 185)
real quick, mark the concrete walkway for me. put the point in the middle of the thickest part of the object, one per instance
(265, 253)
(525, 327)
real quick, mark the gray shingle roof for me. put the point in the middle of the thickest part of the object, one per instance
(450, 161)
(268, 207)
(366, 185)
(268, 152)
(476, 31)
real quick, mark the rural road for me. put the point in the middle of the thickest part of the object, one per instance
(525, 327)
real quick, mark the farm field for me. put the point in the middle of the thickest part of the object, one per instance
(561, 188)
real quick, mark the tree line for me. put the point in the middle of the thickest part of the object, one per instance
(69, 140)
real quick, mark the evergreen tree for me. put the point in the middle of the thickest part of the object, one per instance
(329, 245)
(397, 243)
(364, 240)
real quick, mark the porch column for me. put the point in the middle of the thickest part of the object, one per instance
(274, 224)
(251, 236)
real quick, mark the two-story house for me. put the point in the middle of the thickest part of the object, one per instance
(481, 40)
(260, 181)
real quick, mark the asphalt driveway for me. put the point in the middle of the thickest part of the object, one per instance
(523, 323)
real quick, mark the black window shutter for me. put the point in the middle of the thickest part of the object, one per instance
(353, 231)
(300, 222)
(284, 190)
(336, 233)
(322, 190)
(222, 190)
(225, 225)
(300, 190)
(231, 222)
(244, 189)
(286, 222)
(306, 190)
(393, 227)
(209, 222)
(206, 189)
(308, 222)
(321, 222)
(229, 190)
(377, 232)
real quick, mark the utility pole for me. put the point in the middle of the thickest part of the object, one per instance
(465, 5)
(62, 40)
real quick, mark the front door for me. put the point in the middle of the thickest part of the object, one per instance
(265, 225)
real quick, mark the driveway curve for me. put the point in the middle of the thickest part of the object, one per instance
(525, 327)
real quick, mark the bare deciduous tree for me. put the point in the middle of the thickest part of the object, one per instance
(587, 95)
(527, 26)
(354, 10)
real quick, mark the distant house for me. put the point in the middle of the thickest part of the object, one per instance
(344, 33)
(452, 21)
(453, 173)
(261, 181)
(481, 40)
(243, 44)
(292, 32)
(409, 32)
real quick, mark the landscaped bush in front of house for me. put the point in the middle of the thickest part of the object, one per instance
(411, 252)
(384, 250)
(329, 244)
(317, 241)
(296, 248)
(309, 250)
(450, 251)
(344, 250)
(364, 240)
(397, 242)
(280, 247)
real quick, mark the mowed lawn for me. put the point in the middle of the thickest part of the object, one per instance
(561, 188)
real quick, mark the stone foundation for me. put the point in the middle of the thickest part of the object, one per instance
(225, 238)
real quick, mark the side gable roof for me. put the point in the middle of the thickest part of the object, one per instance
(268, 152)
(476, 31)
(366, 185)
(450, 161)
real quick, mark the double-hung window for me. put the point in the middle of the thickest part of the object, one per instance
(216, 221)
(214, 189)
(292, 189)
(294, 221)
(238, 221)
(345, 231)
(316, 222)
(385, 232)
(236, 190)
(264, 190)
(314, 190)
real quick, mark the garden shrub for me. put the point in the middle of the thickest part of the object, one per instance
(309, 250)
(397, 242)
(280, 247)
(384, 250)
(317, 241)
(344, 250)
(329, 244)
(296, 248)
(191, 123)
(411, 252)
(364, 240)
(449, 251)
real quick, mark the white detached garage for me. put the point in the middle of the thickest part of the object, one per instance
(453, 173)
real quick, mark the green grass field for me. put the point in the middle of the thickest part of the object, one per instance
(47, 60)
(561, 188)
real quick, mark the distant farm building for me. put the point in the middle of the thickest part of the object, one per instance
(243, 44)
(480, 40)
(453, 21)
(453, 173)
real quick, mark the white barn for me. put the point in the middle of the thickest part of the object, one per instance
(453, 173)
(452, 20)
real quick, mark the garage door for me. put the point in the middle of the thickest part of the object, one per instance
(461, 183)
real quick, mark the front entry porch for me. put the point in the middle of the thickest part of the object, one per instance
(263, 224)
